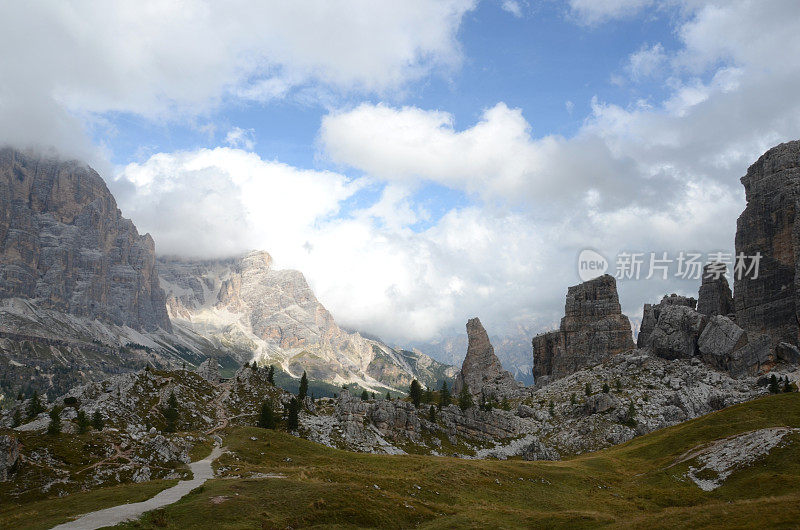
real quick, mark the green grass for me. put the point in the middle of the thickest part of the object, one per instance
(50, 512)
(635, 485)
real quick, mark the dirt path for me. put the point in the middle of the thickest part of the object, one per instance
(219, 405)
(201, 471)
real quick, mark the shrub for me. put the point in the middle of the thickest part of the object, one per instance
(588, 389)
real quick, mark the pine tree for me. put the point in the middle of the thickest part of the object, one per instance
(588, 389)
(83, 422)
(373, 396)
(465, 398)
(572, 399)
(271, 375)
(630, 415)
(35, 407)
(444, 395)
(364, 395)
(432, 414)
(266, 419)
(773, 385)
(293, 420)
(606, 388)
(97, 420)
(787, 387)
(552, 409)
(17, 419)
(20, 397)
(303, 391)
(171, 413)
(415, 392)
(254, 366)
(388, 396)
(54, 427)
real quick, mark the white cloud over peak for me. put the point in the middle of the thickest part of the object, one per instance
(158, 58)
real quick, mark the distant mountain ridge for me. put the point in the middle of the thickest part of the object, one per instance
(248, 305)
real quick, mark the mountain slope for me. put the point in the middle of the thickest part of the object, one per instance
(274, 317)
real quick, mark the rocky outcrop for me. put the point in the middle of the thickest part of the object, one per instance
(715, 297)
(769, 303)
(9, 455)
(209, 370)
(727, 347)
(481, 371)
(676, 333)
(651, 313)
(65, 245)
(592, 330)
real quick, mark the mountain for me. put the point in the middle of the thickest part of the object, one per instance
(273, 316)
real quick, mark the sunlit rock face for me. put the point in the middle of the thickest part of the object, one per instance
(65, 245)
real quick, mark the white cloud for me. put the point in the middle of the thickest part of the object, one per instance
(513, 7)
(647, 62)
(238, 137)
(593, 12)
(161, 59)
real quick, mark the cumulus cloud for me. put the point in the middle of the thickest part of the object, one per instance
(646, 62)
(513, 7)
(74, 61)
(592, 12)
(238, 137)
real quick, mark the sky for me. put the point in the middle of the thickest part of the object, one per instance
(421, 162)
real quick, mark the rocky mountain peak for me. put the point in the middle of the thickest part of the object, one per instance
(769, 303)
(715, 297)
(64, 244)
(481, 370)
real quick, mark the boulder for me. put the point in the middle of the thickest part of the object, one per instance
(677, 332)
(538, 451)
(727, 347)
(788, 353)
(600, 403)
(209, 370)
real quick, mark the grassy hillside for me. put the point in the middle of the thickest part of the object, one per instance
(278, 481)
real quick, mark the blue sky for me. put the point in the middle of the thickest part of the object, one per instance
(422, 162)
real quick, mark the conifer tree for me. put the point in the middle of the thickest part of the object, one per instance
(293, 419)
(445, 398)
(303, 391)
(787, 387)
(83, 422)
(588, 389)
(171, 413)
(17, 419)
(465, 398)
(271, 375)
(606, 388)
(364, 395)
(773, 384)
(415, 392)
(54, 427)
(388, 396)
(432, 414)
(35, 407)
(552, 409)
(266, 418)
(97, 420)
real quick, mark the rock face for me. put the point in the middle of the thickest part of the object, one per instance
(768, 303)
(253, 308)
(65, 245)
(9, 454)
(481, 370)
(676, 333)
(715, 297)
(592, 330)
(651, 313)
(727, 347)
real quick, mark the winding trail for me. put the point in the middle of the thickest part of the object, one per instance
(201, 471)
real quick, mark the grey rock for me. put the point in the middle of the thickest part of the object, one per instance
(539, 451)
(209, 370)
(715, 297)
(677, 332)
(9, 455)
(788, 353)
(600, 403)
(481, 371)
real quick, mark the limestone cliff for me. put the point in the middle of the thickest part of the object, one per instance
(481, 370)
(65, 245)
